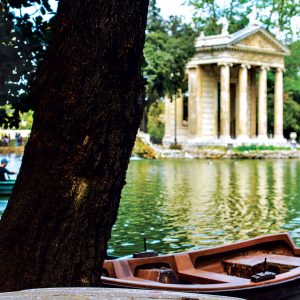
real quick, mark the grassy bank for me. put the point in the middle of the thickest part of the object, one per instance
(260, 148)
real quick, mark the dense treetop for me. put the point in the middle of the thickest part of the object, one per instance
(272, 13)
(169, 45)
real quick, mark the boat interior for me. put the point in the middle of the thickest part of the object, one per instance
(230, 266)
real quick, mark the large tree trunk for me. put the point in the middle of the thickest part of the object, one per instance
(89, 105)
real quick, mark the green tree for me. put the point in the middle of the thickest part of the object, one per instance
(156, 125)
(292, 74)
(291, 110)
(207, 13)
(167, 51)
(292, 90)
(169, 45)
(278, 13)
(23, 41)
(272, 13)
(88, 108)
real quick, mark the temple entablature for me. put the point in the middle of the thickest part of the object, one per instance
(227, 90)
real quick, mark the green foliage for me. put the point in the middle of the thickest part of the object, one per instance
(291, 104)
(169, 45)
(278, 14)
(156, 126)
(292, 74)
(207, 13)
(143, 150)
(23, 42)
(272, 13)
(291, 115)
(258, 148)
(291, 110)
(155, 21)
(26, 120)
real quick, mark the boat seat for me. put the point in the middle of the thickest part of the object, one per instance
(248, 265)
(187, 271)
(123, 271)
(251, 261)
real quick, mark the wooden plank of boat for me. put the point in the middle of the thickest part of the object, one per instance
(6, 187)
(266, 267)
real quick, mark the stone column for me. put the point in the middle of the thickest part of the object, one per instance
(195, 102)
(199, 78)
(225, 101)
(253, 95)
(192, 105)
(242, 113)
(262, 103)
(278, 105)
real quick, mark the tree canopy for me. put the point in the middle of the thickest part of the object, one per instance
(24, 38)
(169, 45)
(292, 90)
(272, 13)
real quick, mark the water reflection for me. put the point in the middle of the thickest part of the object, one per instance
(181, 205)
(186, 204)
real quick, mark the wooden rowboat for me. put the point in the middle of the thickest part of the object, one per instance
(6, 187)
(266, 267)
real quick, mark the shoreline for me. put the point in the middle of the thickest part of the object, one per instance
(158, 152)
(229, 154)
(7, 150)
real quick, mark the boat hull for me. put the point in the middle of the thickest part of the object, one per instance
(6, 187)
(224, 270)
(289, 289)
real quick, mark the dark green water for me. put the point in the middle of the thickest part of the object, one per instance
(191, 204)
(188, 204)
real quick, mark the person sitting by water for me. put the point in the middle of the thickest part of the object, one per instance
(3, 169)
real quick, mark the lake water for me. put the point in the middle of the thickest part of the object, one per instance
(191, 204)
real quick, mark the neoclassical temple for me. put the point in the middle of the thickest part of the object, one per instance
(227, 90)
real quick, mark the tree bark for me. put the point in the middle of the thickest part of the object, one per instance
(89, 105)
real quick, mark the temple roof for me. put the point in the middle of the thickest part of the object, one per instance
(234, 40)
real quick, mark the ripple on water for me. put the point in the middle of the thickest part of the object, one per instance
(3, 204)
(200, 205)
(180, 205)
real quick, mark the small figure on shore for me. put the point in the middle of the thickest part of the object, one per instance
(3, 169)
(5, 140)
(19, 139)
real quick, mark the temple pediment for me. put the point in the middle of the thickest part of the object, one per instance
(253, 38)
(260, 40)
(228, 90)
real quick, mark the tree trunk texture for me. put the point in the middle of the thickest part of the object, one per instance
(89, 104)
(144, 122)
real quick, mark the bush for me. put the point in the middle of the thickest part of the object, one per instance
(156, 126)
(143, 150)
